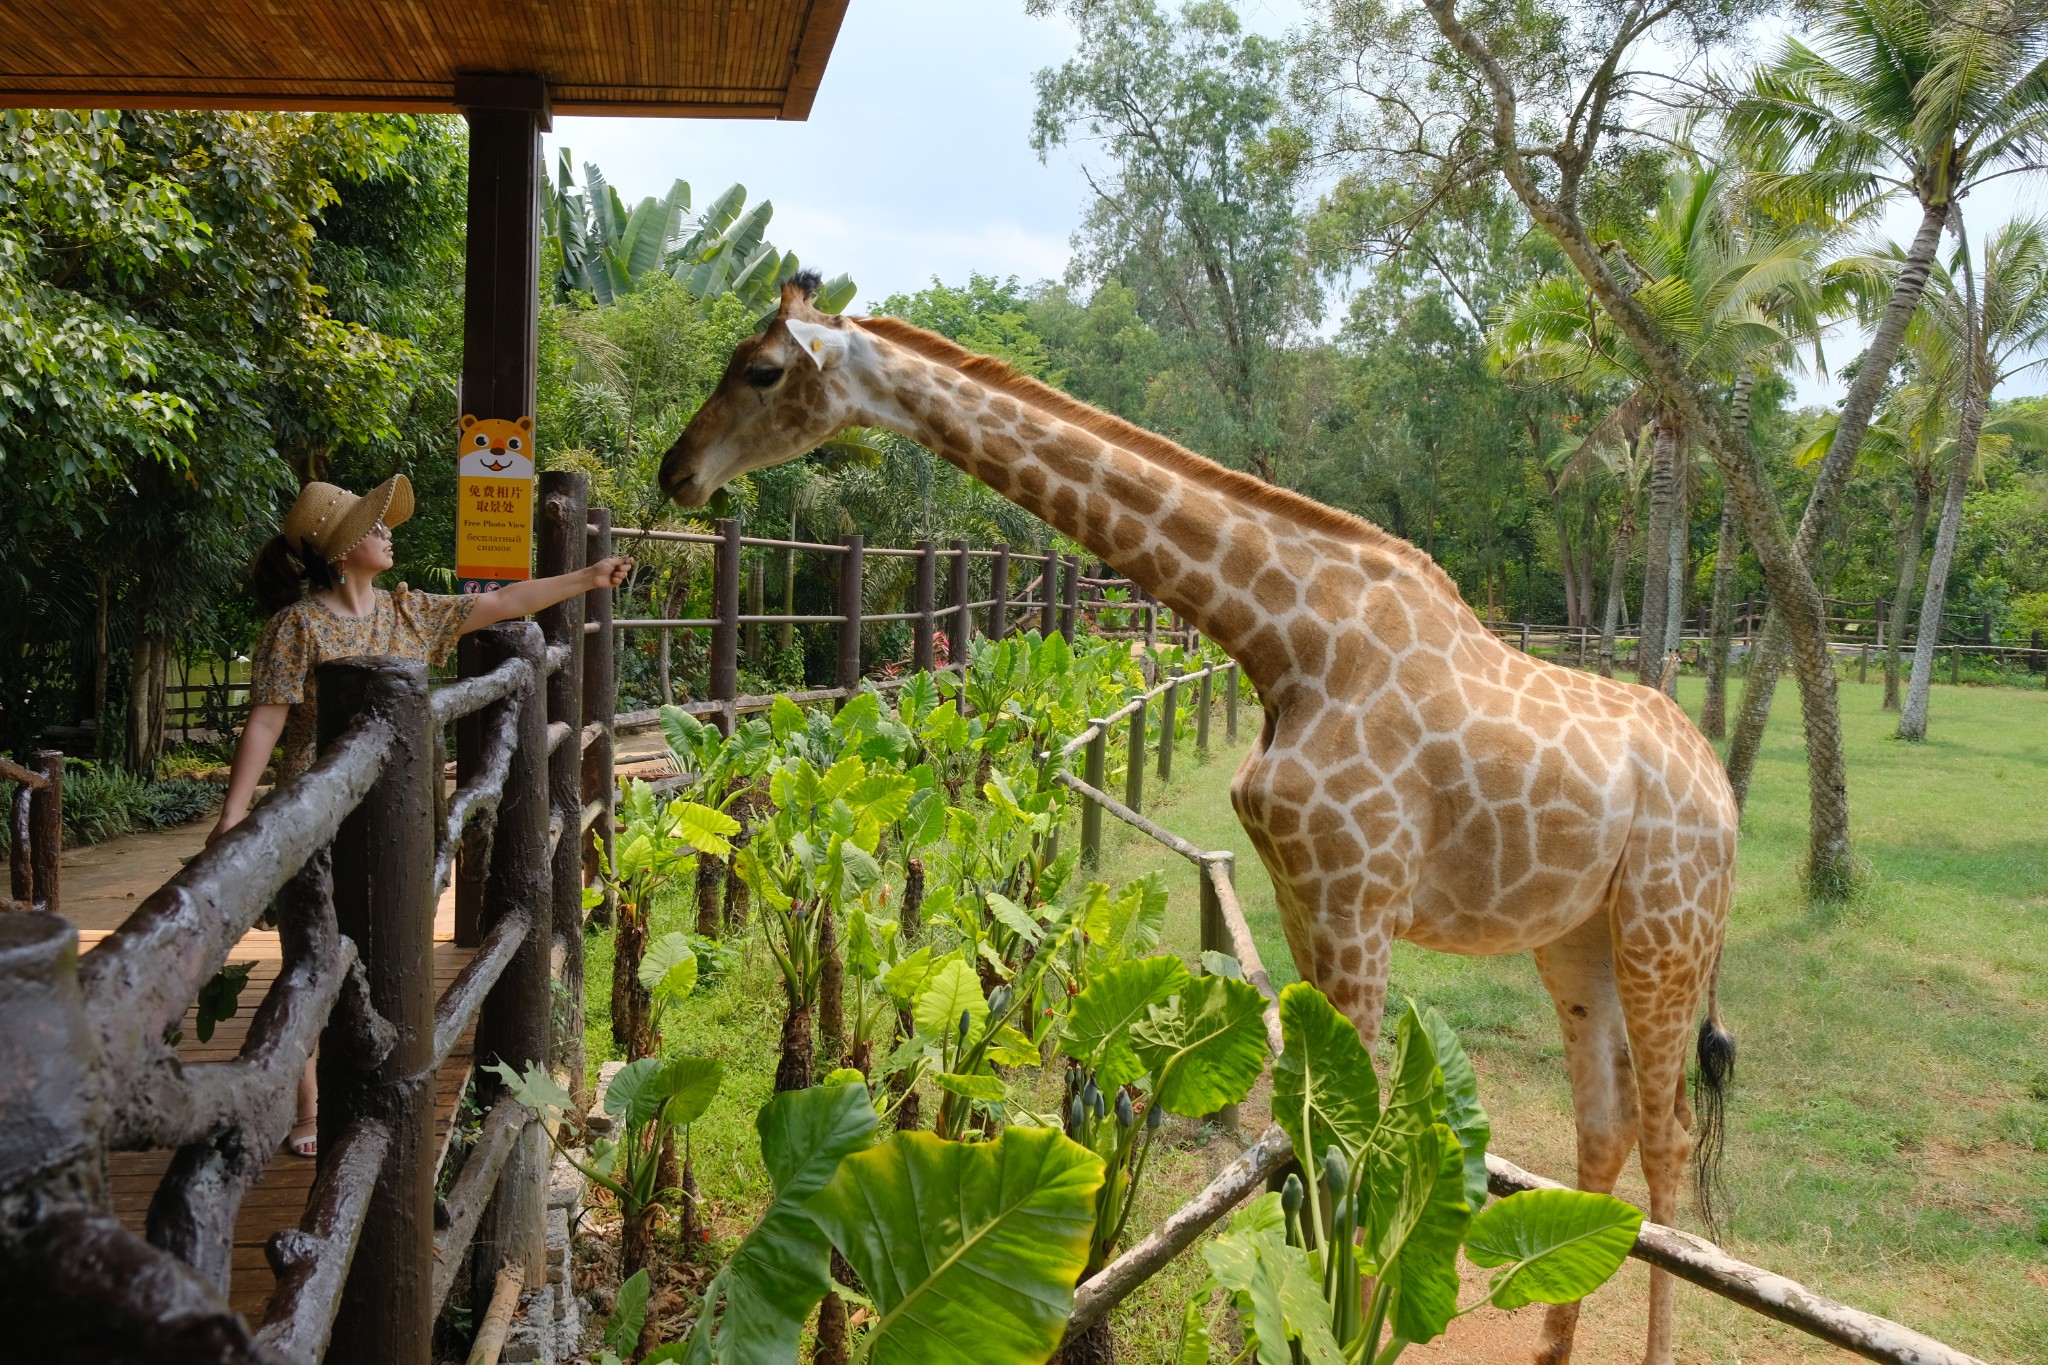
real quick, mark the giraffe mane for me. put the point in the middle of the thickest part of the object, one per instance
(1310, 514)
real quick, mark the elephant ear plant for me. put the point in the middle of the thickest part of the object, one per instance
(1396, 1190)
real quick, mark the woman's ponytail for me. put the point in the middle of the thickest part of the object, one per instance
(282, 575)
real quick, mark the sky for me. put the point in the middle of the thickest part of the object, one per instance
(916, 161)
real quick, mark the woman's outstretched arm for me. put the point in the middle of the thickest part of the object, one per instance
(536, 594)
(259, 737)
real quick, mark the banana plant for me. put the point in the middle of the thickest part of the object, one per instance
(609, 252)
(1403, 1179)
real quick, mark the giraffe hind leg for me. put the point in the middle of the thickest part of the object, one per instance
(1578, 971)
(1660, 993)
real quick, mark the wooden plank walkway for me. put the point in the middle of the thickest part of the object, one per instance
(279, 1198)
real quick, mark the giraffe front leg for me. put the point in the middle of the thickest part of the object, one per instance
(1351, 969)
(1578, 971)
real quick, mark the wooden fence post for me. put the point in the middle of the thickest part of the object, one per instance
(1070, 596)
(1216, 939)
(921, 656)
(1882, 622)
(1203, 703)
(564, 536)
(725, 636)
(757, 605)
(1230, 704)
(1525, 637)
(960, 629)
(1091, 809)
(1134, 772)
(513, 1023)
(1169, 721)
(850, 573)
(1049, 595)
(384, 900)
(600, 708)
(999, 589)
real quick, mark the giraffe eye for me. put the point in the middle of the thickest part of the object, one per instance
(764, 376)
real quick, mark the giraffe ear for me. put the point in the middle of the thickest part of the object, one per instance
(826, 346)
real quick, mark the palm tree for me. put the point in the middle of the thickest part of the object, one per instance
(2001, 337)
(1732, 299)
(1894, 97)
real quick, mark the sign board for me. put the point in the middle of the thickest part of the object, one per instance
(494, 517)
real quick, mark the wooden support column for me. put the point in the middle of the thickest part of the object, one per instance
(725, 636)
(564, 498)
(1230, 704)
(384, 900)
(851, 573)
(500, 335)
(1203, 703)
(926, 585)
(512, 1026)
(1049, 596)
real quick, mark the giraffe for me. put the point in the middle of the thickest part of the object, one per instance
(1415, 778)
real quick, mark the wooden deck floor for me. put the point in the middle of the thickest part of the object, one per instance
(279, 1198)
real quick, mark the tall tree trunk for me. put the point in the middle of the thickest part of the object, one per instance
(910, 913)
(1678, 555)
(710, 893)
(1913, 719)
(148, 675)
(1909, 575)
(630, 1002)
(101, 606)
(1617, 581)
(1829, 854)
(1657, 550)
(1721, 625)
(793, 1069)
(1768, 658)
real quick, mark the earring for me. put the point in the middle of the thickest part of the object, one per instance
(340, 576)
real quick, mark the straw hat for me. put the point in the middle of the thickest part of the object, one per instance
(334, 521)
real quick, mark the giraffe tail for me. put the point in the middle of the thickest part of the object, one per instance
(1710, 1084)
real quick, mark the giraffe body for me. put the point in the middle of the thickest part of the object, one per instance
(1415, 778)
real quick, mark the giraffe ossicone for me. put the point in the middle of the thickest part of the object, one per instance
(1416, 778)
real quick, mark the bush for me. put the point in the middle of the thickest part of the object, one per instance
(101, 802)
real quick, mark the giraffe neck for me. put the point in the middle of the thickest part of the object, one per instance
(1242, 560)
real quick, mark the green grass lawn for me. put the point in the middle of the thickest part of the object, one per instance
(1888, 1133)
(1888, 1140)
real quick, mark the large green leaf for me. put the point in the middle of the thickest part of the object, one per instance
(669, 967)
(704, 828)
(949, 992)
(1325, 1092)
(635, 1094)
(970, 1252)
(1206, 1049)
(1462, 1110)
(1557, 1245)
(1285, 1294)
(783, 1267)
(1424, 1271)
(1100, 1018)
(690, 1084)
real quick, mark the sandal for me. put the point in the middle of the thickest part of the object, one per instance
(304, 1138)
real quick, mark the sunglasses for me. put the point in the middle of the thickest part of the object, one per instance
(380, 529)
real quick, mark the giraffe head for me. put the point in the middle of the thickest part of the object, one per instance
(778, 399)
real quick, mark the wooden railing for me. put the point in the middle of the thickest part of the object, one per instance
(350, 857)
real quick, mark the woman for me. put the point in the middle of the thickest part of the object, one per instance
(317, 579)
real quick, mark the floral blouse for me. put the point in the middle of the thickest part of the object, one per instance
(408, 624)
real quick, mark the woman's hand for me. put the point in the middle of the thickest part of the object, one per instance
(610, 573)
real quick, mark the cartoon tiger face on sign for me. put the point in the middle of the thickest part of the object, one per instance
(492, 447)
